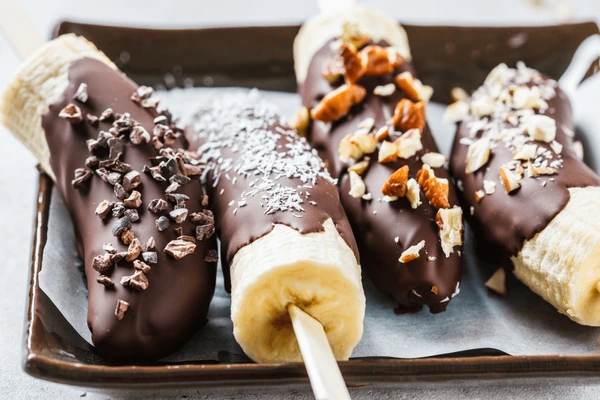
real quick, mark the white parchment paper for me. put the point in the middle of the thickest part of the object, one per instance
(519, 324)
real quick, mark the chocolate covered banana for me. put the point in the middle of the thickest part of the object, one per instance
(367, 112)
(143, 232)
(527, 189)
(284, 236)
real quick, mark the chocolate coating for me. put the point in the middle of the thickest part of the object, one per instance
(229, 134)
(505, 220)
(160, 318)
(384, 230)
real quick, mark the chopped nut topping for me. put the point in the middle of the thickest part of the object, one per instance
(497, 282)
(105, 281)
(409, 115)
(412, 87)
(456, 112)
(482, 106)
(127, 236)
(434, 160)
(121, 309)
(142, 266)
(449, 220)
(353, 66)
(179, 215)
(435, 189)
(477, 155)
(301, 121)
(395, 185)
(479, 195)
(384, 90)
(357, 185)
(337, 104)
(556, 147)
(388, 152)
(458, 94)
(511, 179)
(528, 97)
(526, 152)
(409, 143)
(382, 133)
(131, 180)
(162, 223)
(413, 193)
(538, 170)
(157, 206)
(71, 113)
(489, 187)
(360, 167)
(541, 127)
(179, 248)
(412, 253)
(376, 61)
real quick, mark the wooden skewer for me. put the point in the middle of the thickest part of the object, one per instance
(325, 377)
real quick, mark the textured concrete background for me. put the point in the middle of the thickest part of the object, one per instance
(18, 178)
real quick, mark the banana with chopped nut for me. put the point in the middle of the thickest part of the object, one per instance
(529, 192)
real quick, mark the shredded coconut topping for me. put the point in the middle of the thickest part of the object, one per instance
(244, 137)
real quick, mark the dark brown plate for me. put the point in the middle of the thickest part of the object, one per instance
(445, 57)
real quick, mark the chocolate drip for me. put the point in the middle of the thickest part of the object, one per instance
(384, 230)
(506, 220)
(226, 134)
(160, 318)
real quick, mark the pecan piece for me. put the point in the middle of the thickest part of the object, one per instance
(395, 185)
(337, 103)
(409, 115)
(435, 189)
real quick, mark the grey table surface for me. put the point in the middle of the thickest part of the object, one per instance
(18, 178)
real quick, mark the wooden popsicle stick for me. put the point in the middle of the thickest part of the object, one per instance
(325, 377)
(18, 29)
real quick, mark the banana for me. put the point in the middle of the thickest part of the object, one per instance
(562, 262)
(316, 271)
(528, 190)
(356, 19)
(39, 83)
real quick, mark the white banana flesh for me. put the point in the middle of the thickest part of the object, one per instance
(318, 30)
(561, 263)
(40, 82)
(316, 271)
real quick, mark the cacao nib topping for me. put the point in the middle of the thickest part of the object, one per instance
(104, 208)
(150, 257)
(187, 238)
(173, 187)
(132, 180)
(202, 218)
(105, 281)
(204, 231)
(137, 281)
(141, 266)
(154, 173)
(121, 309)
(92, 119)
(120, 226)
(127, 236)
(132, 214)
(107, 115)
(179, 248)
(81, 177)
(179, 215)
(92, 162)
(118, 209)
(157, 206)
(150, 244)
(134, 250)
(142, 93)
(103, 263)
(120, 192)
(134, 200)
(178, 199)
(162, 223)
(81, 94)
(71, 113)
(139, 135)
